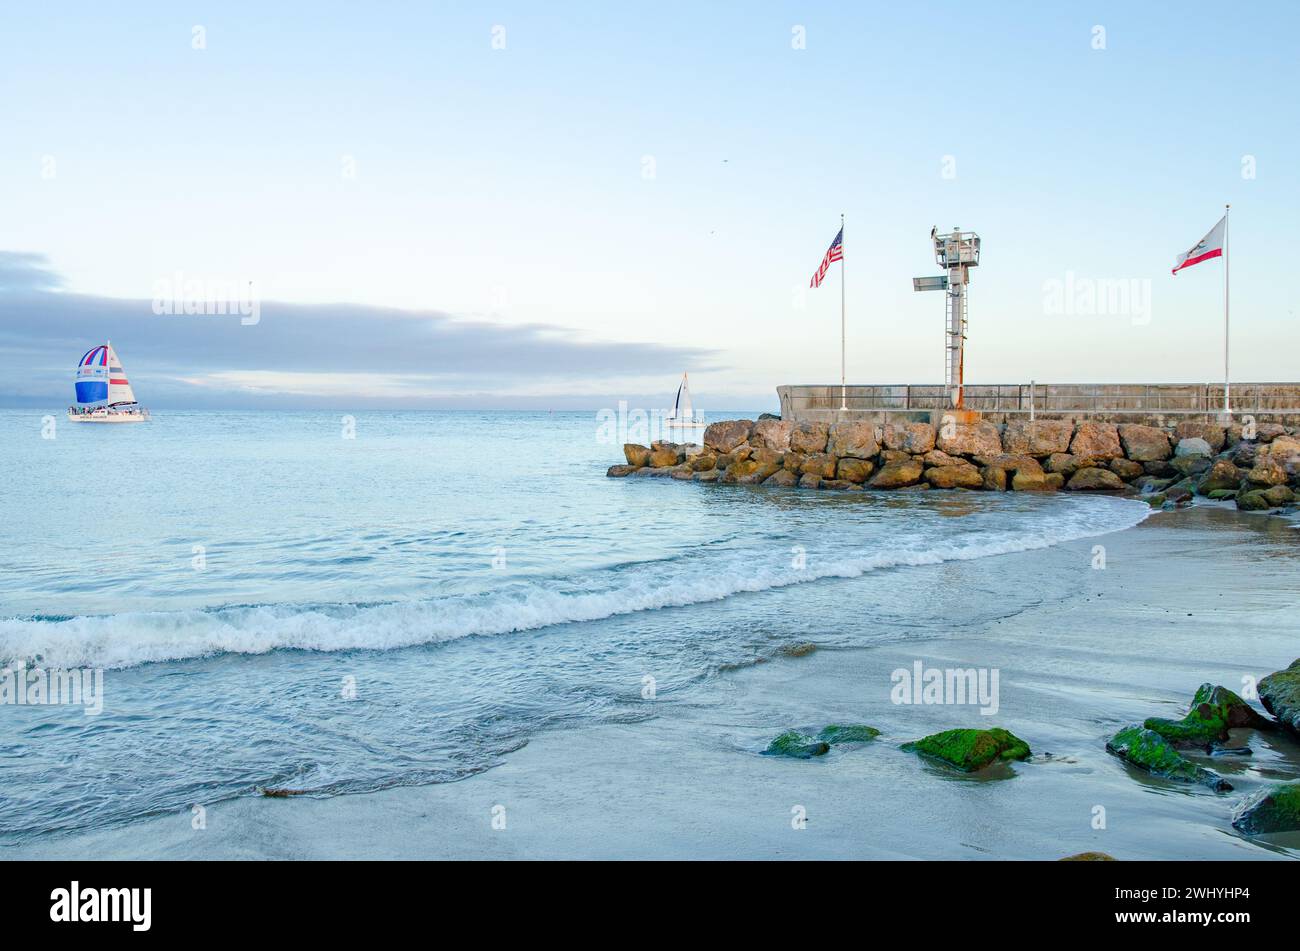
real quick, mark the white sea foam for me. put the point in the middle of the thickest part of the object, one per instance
(125, 640)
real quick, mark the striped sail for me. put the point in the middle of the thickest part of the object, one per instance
(119, 390)
(92, 376)
(100, 377)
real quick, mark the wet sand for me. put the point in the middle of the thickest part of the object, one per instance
(1186, 597)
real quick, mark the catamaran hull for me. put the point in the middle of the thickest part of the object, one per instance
(114, 418)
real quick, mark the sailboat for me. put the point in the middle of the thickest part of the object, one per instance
(104, 394)
(683, 414)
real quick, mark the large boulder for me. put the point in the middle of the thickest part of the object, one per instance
(937, 457)
(1192, 446)
(912, 438)
(754, 470)
(854, 470)
(771, 434)
(1126, 469)
(809, 437)
(819, 463)
(1026, 481)
(782, 478)
(1280, 694)
(1267, 432)
(1012, 462)
(727, 435)
(1062, 462)
(636, 455)
(895, 475)
(1041, 437)
(994, 480)
(1253, 501)
(857, 440)
(970, 750)
(1213, 711)
(709, 475)
(1191, 465)
(1283, 447)
(1094, 479)
(1152, 753)
(1145, 443)
(1266, 471)
(970, 439)
(1094, 440)
(1215, 436)
(964, 476)
(665, 455)
(1278, 496)
(1222, 475)
(810, 480)
(616, 472)
(1274, 808)
(703, 461)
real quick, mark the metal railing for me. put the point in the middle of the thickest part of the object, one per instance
(1049, 398)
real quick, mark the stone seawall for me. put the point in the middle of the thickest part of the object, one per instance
(1258, 466)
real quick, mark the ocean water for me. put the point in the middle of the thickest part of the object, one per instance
(276, 605)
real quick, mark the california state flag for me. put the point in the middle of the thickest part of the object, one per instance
(1211, 246)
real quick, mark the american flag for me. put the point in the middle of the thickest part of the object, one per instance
(835, 253)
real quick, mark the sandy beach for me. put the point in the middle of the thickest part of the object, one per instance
(1205, 594)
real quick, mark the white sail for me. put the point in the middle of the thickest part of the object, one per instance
(685, 410)
(119, 389)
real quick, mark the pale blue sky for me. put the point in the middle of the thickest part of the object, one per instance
(508, 186)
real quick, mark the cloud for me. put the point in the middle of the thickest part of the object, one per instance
(314, 354)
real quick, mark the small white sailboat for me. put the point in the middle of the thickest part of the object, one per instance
(683, 415)
(104, 394)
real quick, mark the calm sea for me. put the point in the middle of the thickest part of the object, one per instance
(276, 604)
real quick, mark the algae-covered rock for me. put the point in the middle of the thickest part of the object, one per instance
(1089, 857)
(1222, 475)
(1253, 501)
(1274, 808)
(969, 750)
(853, 733)
(1213, 711)
(1280, 694)
(1147, 750)
(1222, 495)
(798, 745)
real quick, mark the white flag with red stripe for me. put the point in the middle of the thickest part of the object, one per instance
(1211, 246)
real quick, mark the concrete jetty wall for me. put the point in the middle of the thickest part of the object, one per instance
(1154, 404)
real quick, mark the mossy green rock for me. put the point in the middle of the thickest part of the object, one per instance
(798, 745)
(1271, 809)
(854, 733)
(1280, 695)
(1253, 501)
(969, 750)
(1212, 712)
(1149, 751)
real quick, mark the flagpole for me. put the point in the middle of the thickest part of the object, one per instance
(843, 378)
(1227, 408)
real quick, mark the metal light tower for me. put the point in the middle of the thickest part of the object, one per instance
(958, 252)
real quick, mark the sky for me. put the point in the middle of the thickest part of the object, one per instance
(561, 205)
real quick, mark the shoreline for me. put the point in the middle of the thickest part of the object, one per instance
(688, 782)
